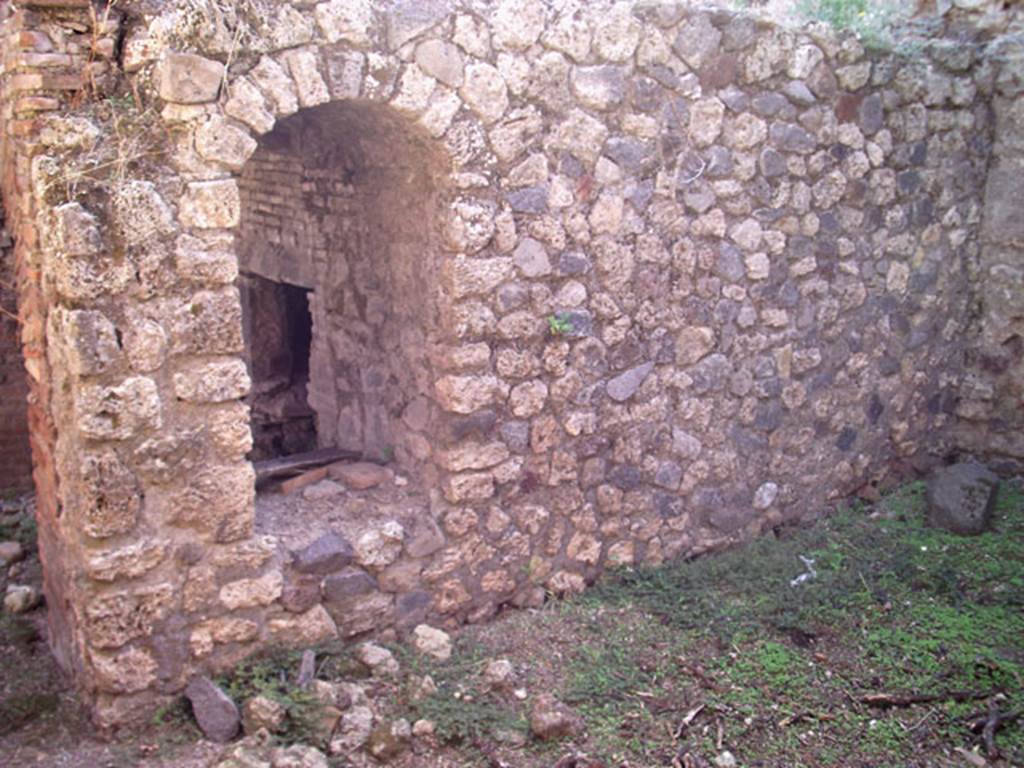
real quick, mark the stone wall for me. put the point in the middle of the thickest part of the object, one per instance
(649, 280)
(992, 398)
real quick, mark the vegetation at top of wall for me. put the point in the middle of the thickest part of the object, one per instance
(873, 21)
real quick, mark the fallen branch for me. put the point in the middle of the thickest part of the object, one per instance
(690, 716)
(800, 716)
(988, 732)
(987, 723)
(919, 723)
(909, 700)
(977, 721)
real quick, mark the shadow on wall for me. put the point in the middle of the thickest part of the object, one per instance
(338, 253)
(15, 457)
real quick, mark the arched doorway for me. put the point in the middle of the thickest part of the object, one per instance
(338, 253)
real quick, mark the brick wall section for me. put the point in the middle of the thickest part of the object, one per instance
(44, 70)
(280, 239)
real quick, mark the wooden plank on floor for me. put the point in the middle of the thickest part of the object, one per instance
(301, 462)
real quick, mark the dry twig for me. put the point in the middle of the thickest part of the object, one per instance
(908, 700)
(988, 723)
(800, 716)
(687, 720)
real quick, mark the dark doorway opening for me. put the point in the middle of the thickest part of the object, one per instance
(279, 333)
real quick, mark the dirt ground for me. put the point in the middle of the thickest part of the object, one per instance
(897, 651)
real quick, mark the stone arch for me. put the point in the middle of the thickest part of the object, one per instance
(401, 111)
(344, 200)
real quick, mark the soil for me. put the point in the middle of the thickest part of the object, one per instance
(667, 667)
(296, 519)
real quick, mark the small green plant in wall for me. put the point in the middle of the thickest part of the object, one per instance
(559, 323)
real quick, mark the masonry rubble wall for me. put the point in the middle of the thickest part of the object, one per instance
(688, 277)
(991, 408)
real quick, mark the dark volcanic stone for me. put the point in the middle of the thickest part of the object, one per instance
(516, 435)
(669, 475)
(624, 476)
(888, 365)
(771, 163)
(573, 263)
(847, 437)
(870, 115)
(623, 386)
(719, 71)
(734, 99)
(412, 608)
(791, 138)
(642, 195)
(478, 423)
(214, 710)
(799, 93)
(645, 94)
(847, 107)
(529, 200)
(768, 104)
(300, 593)
(729, 265)
(719, 163)
(349, 583)
(632, 155)
(728, 519)
(668, 504)
(739, 33)
(331, 552)
(961, 498)
(875, 409)
(579, 321)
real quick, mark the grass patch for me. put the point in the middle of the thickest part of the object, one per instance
(272, 675)
(20, 527)
(18, 709)
(895, 607)
(463, 710)
(724, 652)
